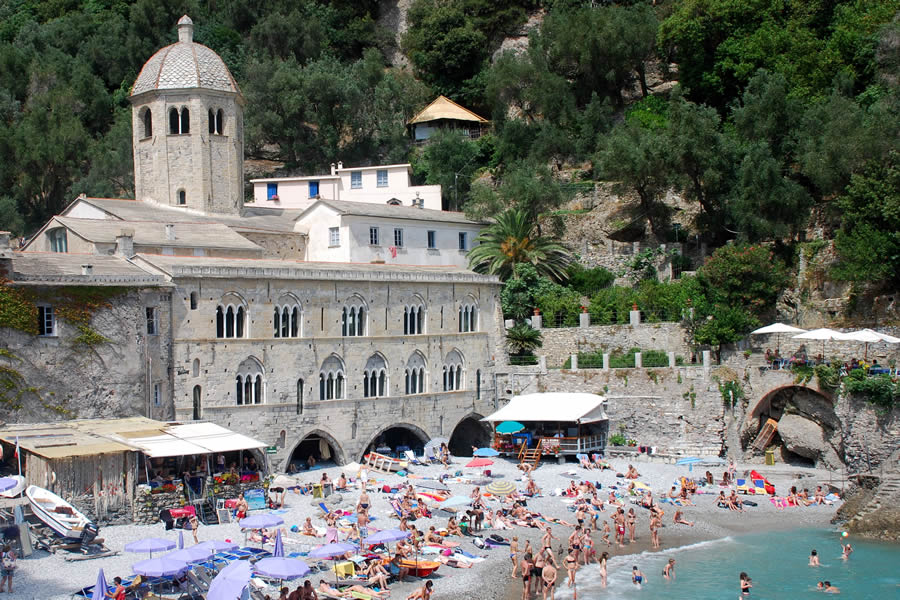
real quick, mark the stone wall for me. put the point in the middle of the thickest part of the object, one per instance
(560, 343)
(147, 506)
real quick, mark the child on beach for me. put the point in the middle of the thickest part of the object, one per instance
(669, 569)
(606, 534)
(603, 558)
(637, 578)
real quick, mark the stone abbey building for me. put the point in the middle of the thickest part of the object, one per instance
(206, 308)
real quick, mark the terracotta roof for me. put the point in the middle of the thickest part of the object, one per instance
(445, 108)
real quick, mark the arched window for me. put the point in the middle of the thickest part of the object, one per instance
(197, 408)
(415, 374)
(414, 317)
(353, 318)
(331, 379)
(195, 368)
(212, 121)
(468, 316)
(58, 240)
(286, 318)
(300, 396)
(231, 320)
(174, 124)
(147, 122)
(185, 120)
(249, 384)
(220, 122)
(453, 371)
(182, 197)
(375, 383)
(193, 300)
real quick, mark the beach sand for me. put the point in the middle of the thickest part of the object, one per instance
(49, 577)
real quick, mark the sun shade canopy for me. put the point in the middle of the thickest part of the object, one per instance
(552, 407)
(191, 438)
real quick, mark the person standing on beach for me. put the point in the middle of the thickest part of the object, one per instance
(526, 567)
(571, 565)
(746, 584)
(194, 523)
(7, 568)
(514, 555)
(631, 521)
(549, 577)
(548, 535)
(654, 530)
(669, 569)
(620, 527)
(575, 542)
(606, 533)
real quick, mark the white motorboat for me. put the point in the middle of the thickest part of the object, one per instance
(56, 513)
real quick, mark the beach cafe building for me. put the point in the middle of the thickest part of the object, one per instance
(98, 463)
(558, 423)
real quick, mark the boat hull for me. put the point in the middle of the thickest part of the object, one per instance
(20, 487)
(56, 513)
(421, 568)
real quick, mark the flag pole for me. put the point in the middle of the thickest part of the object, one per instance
(18, 456)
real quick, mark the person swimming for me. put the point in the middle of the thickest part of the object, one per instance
(637, 578)
(669, 569)
(814, 558)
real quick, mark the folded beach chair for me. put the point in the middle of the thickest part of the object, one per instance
(411, 457)
(743, 488)
(759, 486)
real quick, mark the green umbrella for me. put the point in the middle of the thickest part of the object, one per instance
(507, 427)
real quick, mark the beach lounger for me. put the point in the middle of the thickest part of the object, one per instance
(743, 488)
(324, 508)
(411, 457)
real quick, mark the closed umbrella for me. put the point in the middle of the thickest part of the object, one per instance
(100, 587)
(159, 567)
(279, 547)
(509, 427)
(480, 462)
(180, 539)
(279, 567)
(231, 581)
(150, 545)
(484, 452)
(777, 328)
(500, 488)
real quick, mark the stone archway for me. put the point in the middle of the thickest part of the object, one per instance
(469, 431)
(396, 435)
(808, 431)
(305, 444)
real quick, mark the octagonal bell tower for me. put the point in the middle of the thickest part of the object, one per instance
(188, 129)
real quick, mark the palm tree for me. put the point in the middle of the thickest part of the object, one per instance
(512, 240)
(522, 339)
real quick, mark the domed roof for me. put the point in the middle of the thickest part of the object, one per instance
(185, 64)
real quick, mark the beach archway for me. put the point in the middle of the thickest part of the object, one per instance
(398, 435)
(469, 431)
(319, 444)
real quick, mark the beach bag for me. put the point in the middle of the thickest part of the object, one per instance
(9, 563)
(386, 489)
(479, 543)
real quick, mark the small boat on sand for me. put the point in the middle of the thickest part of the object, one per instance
(420, 568)
(56, 513)
(13, 492)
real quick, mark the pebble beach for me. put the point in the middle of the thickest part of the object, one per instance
(50, 577)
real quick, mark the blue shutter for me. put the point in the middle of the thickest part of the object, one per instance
(313, 189)
(271, 190)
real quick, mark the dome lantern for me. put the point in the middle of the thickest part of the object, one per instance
(185, 30)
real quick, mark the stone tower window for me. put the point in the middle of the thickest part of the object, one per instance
(468, 316)
(453, 371)
(220, 122)
(185, 120)
(179, 122)
(212, 121)
(249, 385)
(414, 318)
(147, 122)
(415, 374)
(331, 379)
(182, 197)
(353, 318)
(375, 382)
(287, 318)
(197, 400)
(230, 321)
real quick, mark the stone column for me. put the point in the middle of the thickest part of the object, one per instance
(706, 362)
(671, 360)
(606, 361)
(634, 317)
(584, 320)
(542, 364)
(574, 362)
(638, 360)
(537, 321)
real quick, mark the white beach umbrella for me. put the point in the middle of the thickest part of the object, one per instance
(823, 334)
(869, 336)
(777, 328)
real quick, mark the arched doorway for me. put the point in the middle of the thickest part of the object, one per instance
(798, 423)
(397, 438)
(470, 431)
(321, 446)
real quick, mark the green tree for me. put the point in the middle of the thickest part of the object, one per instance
(449, 160)
(522, 339)
(518, 294)
(723, 325)
(868, 241)
(512, 240)
(743, 276)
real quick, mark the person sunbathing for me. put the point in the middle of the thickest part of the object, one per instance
(820, 495)
(341, 483)
(632, 473)
(673, 493)
(433, 537)
(308, 528)
(347, 592)
(721, 500)
(647, 500)
(685, 498)
(679, 518)
(453, 527)
(601, 464)
(804, 497)
(734, 503)
(376, 574)
(613, 500)
(403, 549)
(586, 463)
(572, 490)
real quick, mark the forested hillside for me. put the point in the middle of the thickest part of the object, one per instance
(783, 108)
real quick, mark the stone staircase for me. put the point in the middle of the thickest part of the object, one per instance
(887, 494)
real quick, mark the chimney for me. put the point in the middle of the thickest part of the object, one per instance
(125, 243)
(333, 172)
(417, 201)
(87, 269)
(170, 232)
(340, 165)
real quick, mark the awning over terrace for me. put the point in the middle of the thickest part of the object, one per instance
(552, 407)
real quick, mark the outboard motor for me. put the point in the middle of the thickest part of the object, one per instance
(88, 534)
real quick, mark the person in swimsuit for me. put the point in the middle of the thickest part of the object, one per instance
(847, 551)
(679, 518)
(637, 578)
(571, 565)
(526, 567)
(669, 569)
(603, 559)
(746, 584)
(513, 555)
(814, 558)
(549, 579)
(575, 542)
(423, 593)
(829, 589)
(537, 570)
(631, 521)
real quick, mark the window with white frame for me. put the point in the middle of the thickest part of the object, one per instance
(415, 374)
(453, 371)
(432, 240)
(382, 178)
(287, 318)
(463, 240)
(152, 320)
(375, 379)
(398, 237)
(231, 320)
(414, 318)
(468, 317)
(58, 240)
(356, 180)
(374, 236)
(353, 318)
(46, 321)
(331, 379)
(249, 386)
(334, 236)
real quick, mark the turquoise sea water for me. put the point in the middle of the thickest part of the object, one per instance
(777, 562)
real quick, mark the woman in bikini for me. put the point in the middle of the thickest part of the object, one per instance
(514, 555)
(631, 521)
(571, 565)
(746, 584)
